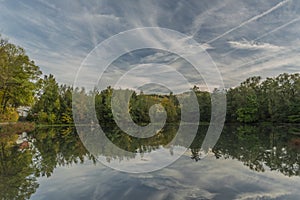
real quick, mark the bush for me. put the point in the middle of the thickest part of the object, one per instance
(10, 115)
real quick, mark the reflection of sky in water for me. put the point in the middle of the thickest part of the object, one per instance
(184, 179)
(146, 161)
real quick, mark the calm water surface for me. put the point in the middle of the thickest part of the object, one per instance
(248, 162)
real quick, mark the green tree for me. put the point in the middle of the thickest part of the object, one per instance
(249, 112)
(18, 77)
(16, 170)
(65, 99)
(47, 105)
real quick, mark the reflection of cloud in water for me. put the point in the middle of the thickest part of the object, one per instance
(147, 160)
(207, 179)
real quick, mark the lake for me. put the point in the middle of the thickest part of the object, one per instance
(248, 162)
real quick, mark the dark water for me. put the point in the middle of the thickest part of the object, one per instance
(248, 162)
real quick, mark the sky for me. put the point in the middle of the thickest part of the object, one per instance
(243, 38)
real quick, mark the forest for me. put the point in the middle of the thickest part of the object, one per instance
(274, 99)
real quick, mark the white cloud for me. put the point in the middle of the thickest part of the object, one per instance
(159, 57)
(254, 45)
(262, 195)
(58, 35)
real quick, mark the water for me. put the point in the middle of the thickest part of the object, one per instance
(248, 162)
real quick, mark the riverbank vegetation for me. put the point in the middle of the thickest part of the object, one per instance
(16, 128)
(275, 100)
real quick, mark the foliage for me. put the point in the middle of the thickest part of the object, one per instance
(274, 100)
(10, 115)
(18, 78)
(53, 103)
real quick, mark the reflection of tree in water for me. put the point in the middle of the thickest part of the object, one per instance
(197, 142)
(58, 147)
(260, 147)
(16, 170)
(136, 145)
(20, 167)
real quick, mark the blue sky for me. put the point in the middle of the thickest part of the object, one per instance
(244, 38)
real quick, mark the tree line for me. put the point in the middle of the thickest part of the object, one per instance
(254, 100)
(274, 99)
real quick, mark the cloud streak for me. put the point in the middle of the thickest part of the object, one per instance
(59, 35)
(253, 45)
(250, 20)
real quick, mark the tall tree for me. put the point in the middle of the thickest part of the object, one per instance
(47, 106)
(18, 77)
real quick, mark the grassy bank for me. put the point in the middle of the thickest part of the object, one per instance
(7, 129)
